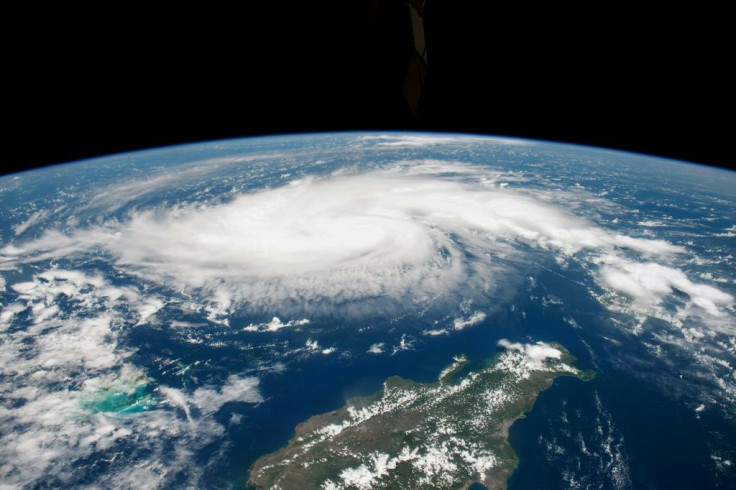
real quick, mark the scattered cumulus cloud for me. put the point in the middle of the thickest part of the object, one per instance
(377, 348)
(649, 283)
(406, 342)
(275, 325)
(474, 319)
(536, 352)
(59, 372)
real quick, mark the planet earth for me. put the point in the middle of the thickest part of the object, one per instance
(368, 310)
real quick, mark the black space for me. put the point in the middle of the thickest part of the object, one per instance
(83, 84)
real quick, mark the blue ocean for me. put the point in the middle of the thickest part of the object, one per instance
(169, 317)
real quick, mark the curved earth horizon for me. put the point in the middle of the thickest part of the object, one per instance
(369, 310)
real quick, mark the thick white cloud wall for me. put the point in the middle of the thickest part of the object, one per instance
(404, 237)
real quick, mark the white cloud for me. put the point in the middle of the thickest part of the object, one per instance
(178, 399)
(339, 244)
(148, 308)
(406, 342)
(652, 223)
(648, 283)
(650, 248)
(275, 325)
(68, 391)
(33, 219)
(422, 140)
(460, 323)
(376, 348)
(121, 193)
(236, 389)
(536, 352)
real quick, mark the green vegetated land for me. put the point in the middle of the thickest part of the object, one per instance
(447, 434)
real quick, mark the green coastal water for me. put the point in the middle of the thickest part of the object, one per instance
(124, 398)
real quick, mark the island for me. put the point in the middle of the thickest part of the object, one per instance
(447, 434)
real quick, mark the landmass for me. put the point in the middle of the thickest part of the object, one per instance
(447, 434)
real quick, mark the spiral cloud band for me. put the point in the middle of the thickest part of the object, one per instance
(409, 236)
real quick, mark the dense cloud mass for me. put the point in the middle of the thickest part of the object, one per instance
(408, 236)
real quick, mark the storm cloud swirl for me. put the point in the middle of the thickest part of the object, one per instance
(408, 237)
